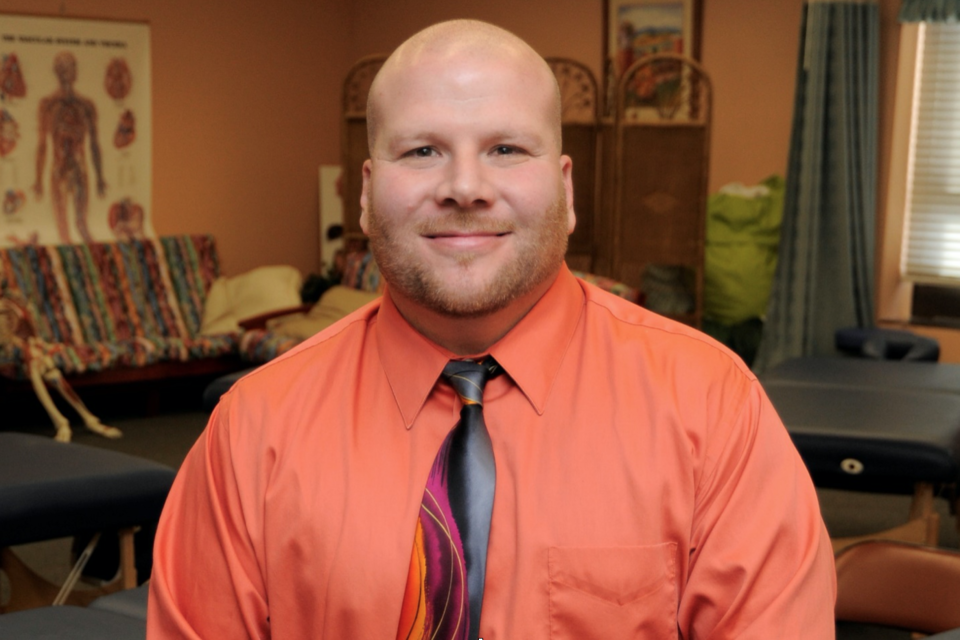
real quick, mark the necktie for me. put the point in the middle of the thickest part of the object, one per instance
(448, 565)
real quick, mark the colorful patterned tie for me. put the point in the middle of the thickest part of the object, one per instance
(445, 582)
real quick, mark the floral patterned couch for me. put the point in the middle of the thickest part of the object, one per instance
(117, 311)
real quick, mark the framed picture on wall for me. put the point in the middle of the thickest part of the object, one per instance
(75, 130)
(637, 28)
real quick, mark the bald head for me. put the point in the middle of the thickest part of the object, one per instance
(460, 44)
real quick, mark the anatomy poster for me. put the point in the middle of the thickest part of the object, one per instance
(75, 127)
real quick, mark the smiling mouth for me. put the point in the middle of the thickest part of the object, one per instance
(466, 234)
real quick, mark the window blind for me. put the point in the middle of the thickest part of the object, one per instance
(933, 199)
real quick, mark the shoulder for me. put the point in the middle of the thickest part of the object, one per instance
(317, 362)
(670, 363)
(635, 329)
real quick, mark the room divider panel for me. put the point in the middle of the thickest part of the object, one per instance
(580, 122)
(660, 170)
(353, 139)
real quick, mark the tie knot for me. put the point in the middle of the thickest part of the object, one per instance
(468, 377)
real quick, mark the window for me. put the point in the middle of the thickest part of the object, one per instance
(932, 226)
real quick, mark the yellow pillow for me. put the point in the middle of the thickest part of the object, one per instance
(263, 289)
(335, 303)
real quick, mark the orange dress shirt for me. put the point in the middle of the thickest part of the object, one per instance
(645, 488)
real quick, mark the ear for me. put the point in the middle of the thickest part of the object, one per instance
(566, 170)
(365, 194)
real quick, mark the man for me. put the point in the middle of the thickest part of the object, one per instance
(67, 118)
(644, 485)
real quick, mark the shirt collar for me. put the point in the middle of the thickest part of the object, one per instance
(531, 353)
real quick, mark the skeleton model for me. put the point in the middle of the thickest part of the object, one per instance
(16, 331)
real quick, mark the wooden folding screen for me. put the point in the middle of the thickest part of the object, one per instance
(580, 124)
(660, 183)
(353, 138)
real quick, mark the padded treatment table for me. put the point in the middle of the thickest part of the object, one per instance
(121, 616)
(129, 602)
(878, 426)
(70, 623)
(52, 490)
(860, 372)
(863, 439)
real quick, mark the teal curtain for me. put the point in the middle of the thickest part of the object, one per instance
(930, 11)
(824, 277)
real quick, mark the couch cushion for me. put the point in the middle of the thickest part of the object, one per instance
(249, 294)
(104, 292)
(335, 303)
(285, 332)
(360, 271)
(261, 345)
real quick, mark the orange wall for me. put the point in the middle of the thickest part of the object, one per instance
(569, 28)
(245, 109)
(749, 48)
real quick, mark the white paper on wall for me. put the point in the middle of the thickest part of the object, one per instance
(75, 130)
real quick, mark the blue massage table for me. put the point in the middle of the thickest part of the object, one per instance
(870, 374)
(53, 490)
(875, 425)
(119, 616)
(70, 623)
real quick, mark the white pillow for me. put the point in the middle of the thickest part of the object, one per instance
(337, 302)
(263, 289)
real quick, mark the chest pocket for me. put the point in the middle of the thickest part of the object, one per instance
(613, 592)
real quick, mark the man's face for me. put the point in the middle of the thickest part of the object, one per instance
(466, 198)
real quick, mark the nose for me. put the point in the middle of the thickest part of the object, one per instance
(465, 184)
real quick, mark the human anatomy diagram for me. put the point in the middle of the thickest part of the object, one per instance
(12, 86)
(67, 119)
(11, 78)
(126, 220)
(118, 82)
(74, 132)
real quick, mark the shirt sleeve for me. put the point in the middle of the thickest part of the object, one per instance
(761, 563)
(207, 581)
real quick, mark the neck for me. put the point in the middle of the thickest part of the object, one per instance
(471, 335)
